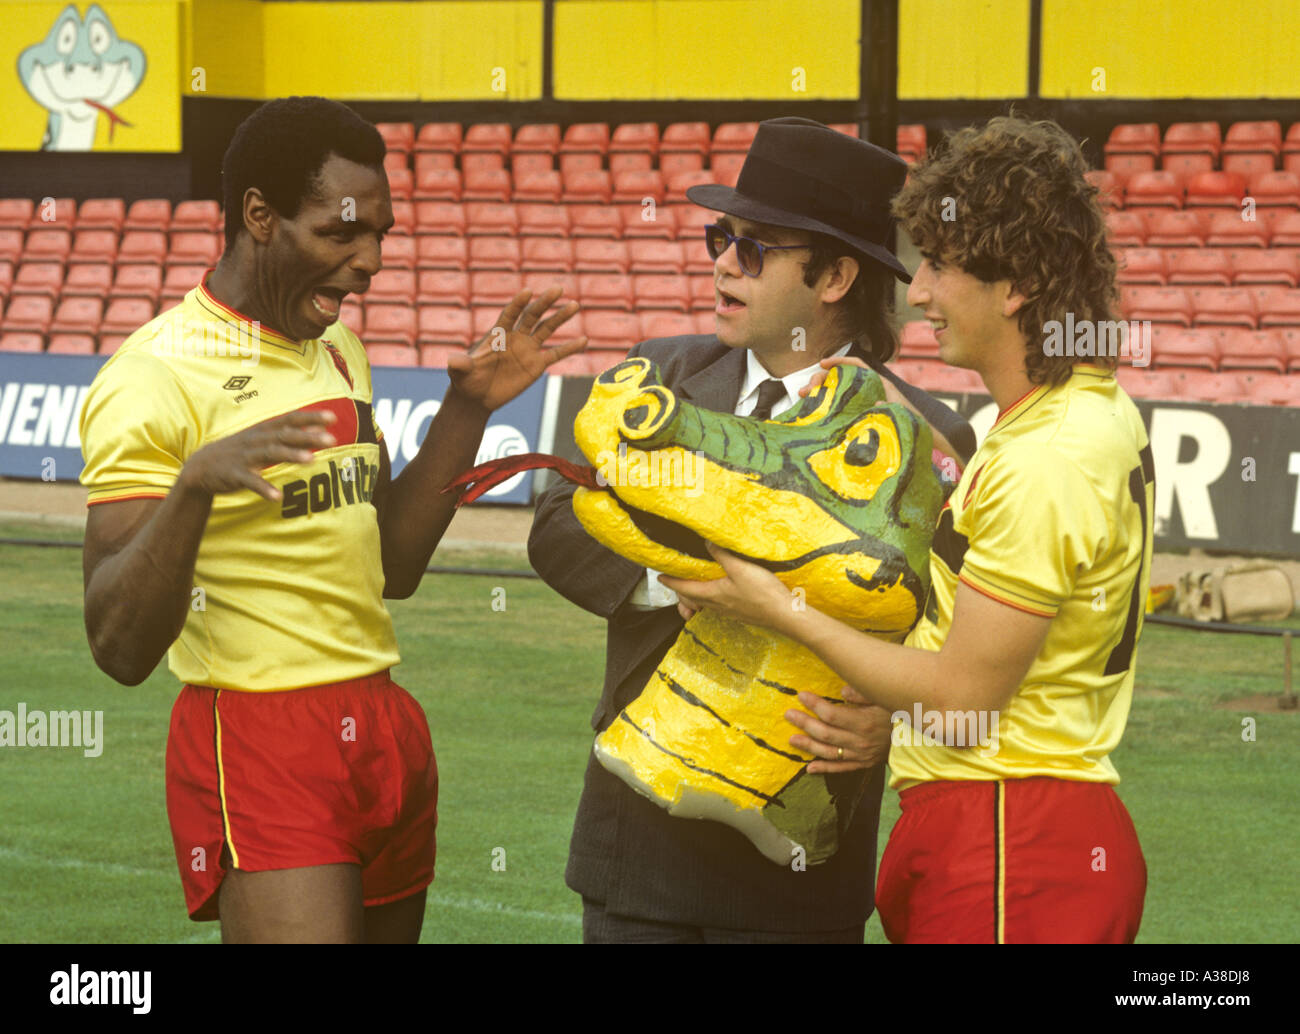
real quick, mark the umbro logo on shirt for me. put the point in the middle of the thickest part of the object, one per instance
(239, 384)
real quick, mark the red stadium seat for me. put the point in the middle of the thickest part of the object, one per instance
(588, 187)
(600, 255)
(54, 214)
(677, 163)
(92, 281)
(439, 136)
(733, 137)
(142, 246)
(107, 213)
(28, 312)
(1186, 348)
(635, 136)
(1205, 266)
(684, 138)
(629, 161)
(636, 187)
(443, 287)
(1230, 230)
(401, 184)
(583, 161)
(78, 315)
(595, 221)
(444, 325)
(547, 253)
(610, 329)
(1128, 165)
(438, 185)
(1145, 384)
(536, 138)
(126, 315)
(192, 216)
(545, 187)
(1285, 231)
(71, 343)
(1187, 165)
(392, 286)
(911, 142)
(1153, 190)
(586, 137)
(1252, 350)
(1266, 266)
(663, 323)
(435, 356)
(1216, 190)
(489, 218)
(540, 281)
(16, 213)
(1248, 165)
(6, 278)
(1126, 229)
(543, 220)
(11, 245)
(493, 287)
(148, 214)
(1253, 138)
(48, 245)
(703, 293)
(1193, 138)
(1157, 304)
(606, 290)
(1223, 307)
(396, 161)
(691, 221)
(21, 341)
(386, 353)
(656, 256)
(1143, 138)
(403, 218)
(487, 185)
(494, 253)
(398, 251)
(439, 217)
(182, 279)
(492, 137)
(398, 136)
(725, 168)
(1204, 386)
(1141, 266)
(649, 221)
(1110, 191)
(659, 291)
(40, 279)
(530, 162)
(1282, 310)
(705, 321)
(441, 253)
(432, 161)
(1185, 229)
(136, 282)
(194, 249)
(390, 324)
(110, 343)
(1276, 189)
(352, 315)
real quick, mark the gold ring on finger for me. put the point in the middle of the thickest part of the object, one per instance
(839, 754)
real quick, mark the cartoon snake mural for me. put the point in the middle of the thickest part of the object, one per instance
(837, 496)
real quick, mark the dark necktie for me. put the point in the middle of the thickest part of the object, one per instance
(769, 393)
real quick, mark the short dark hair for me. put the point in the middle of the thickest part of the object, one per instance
(866, 311)
(280, 148)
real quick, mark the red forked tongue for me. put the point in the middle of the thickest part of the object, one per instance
(113, 117)
(486, 476)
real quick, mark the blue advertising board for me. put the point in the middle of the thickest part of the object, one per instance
(41, 397)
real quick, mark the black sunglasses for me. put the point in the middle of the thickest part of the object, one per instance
(749, 253)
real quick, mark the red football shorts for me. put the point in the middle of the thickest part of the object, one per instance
(337, 773)
(1028, 861)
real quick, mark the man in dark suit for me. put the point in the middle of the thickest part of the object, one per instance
(802, 273)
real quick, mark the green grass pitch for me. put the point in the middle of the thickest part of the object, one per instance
(86, 856)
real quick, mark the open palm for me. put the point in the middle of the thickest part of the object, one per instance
(511, 357)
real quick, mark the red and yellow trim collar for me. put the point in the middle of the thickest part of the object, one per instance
(220, 310)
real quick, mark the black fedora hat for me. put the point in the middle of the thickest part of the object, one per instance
(803, 175)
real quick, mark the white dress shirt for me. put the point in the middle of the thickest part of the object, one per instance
(649, 594)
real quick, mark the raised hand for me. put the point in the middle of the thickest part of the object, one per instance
(232, 464)
(510, 356)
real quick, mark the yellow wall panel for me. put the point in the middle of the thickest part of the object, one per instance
(1194, 48)
(135, 75)
(963, 48)
(723, 49)
(226, 44)
(424, 51)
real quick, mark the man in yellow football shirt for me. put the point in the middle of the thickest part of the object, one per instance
(1015, 685)
(243, 519)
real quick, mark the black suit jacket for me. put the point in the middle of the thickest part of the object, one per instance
(627, 852)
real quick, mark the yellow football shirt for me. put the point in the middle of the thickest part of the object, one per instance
(286, 594)
(1053, 516)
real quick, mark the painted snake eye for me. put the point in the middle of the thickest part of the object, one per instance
(860, 462)
(99, 37)
(67, 37)
(646, 413)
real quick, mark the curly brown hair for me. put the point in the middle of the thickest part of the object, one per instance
(1009, 201)
(865, 313)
